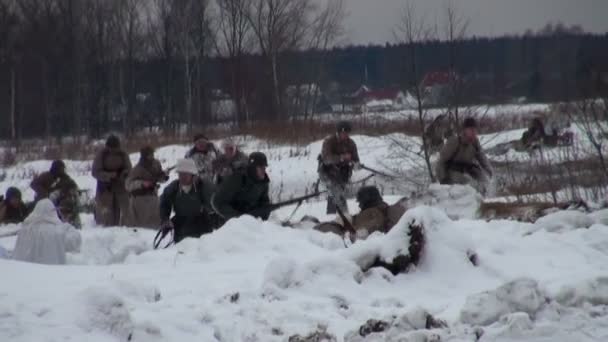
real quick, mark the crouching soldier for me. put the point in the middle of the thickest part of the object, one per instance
(111, 168)
(142, 184)
(12, 208)
(461, 160)
(61, 189)
(245, 192)
(188, 197)
(44, 238)
(231, 161)
(339, 156)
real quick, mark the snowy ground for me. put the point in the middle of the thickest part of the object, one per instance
(256, 281)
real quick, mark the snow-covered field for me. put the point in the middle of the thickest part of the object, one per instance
(259, 281)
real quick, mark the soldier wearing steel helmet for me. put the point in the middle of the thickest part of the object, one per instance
(338, 158)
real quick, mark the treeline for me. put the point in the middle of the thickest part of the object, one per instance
(84, 67)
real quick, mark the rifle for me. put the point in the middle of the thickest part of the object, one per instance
(377, 172)
(297, 200)
(347, 225)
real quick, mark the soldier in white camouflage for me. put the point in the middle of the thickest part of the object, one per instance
(204, 155)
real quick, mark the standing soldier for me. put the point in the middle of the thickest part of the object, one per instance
(61, 189)
(188, 197)
(229, 162)
(111, 168)
(461, 160)
(245, 192)
(338, 158)
(12, 208)
(142, 184)
(204, 154)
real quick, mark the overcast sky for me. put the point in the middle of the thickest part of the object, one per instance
(373, 20)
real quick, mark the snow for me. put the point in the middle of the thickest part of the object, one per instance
(258, 281)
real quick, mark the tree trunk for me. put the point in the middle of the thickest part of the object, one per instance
(12, 110)
(275, 83)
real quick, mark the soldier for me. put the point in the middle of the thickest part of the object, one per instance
(12, 208)
(61, 189)
(204, 154)
(461, 160)
(188, 197)
(111, 168)
(229, 162)
(44, 239)
(375, 215)
(142, 184)
(245, 192)
(534, 135)
(338, 158)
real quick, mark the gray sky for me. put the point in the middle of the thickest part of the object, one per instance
(373, 20)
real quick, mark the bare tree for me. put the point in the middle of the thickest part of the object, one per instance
(279, 26)
(234, 41)
(455, 30)
(162, 23)
(326, 29)
(128, 25)
(412, 30)
(9, 22)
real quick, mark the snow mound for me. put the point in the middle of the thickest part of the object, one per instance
(600, 216)
(564, 220)
(111, 245)
(456, 201)
(521, 295)
(107, 312)
(593, 291)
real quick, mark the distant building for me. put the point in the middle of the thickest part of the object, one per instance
(437, 87)
(364, 100)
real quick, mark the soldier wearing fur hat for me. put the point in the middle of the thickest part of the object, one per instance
(462, 160)
(61, 189)
(204, 154)
(142, 184)
(188, 198)
(232, 160)
(339, 156)
(111, 167)
(245, 192)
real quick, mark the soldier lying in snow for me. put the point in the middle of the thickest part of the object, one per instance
(375, 215)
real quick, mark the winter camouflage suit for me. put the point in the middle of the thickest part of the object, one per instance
(143, 201)
(204, 161)
(111, 168)
(62, 190)
(461, 162)
(336, 173)
(193, 214)
(224, 166)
